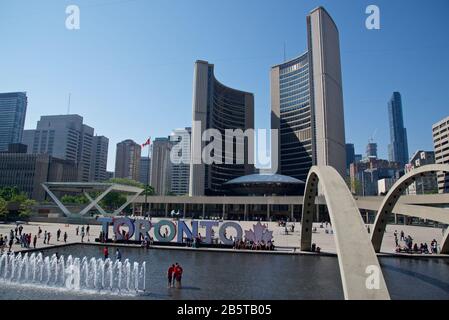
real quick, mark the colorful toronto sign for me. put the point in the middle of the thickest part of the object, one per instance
(169, 231)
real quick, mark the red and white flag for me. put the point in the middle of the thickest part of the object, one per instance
(147, 143)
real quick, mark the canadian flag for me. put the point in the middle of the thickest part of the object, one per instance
(147, 143)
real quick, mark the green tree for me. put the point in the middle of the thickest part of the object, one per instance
(7, 193)
(113, 200)
(74, 199)
(26, 207)
(148, 190)
(126, 182)
(3, 208)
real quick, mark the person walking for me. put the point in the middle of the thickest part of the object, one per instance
(87, 230)
(82, 234)
(170, 272)
(58, 234)
(77, 230)
(65, 237)
(34, 241)
(402, 235)
(105, 253)
(48, 237)
(118, 255)
(39, 232)
(45, 237)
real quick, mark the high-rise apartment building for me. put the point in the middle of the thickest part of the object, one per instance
(371, 150)
(423, 184)
(440, 133)
(180, 169)
(364, 175)
(307, 102)
(99, 160)
(216, 106)
(127, 160)
(398, 148)
(13, 107)
(161, 166)
(64, 137)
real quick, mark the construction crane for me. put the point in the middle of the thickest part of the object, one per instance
(371, 140)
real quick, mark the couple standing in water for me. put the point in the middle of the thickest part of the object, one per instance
(174, 275)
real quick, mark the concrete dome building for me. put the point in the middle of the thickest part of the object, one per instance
(265, 184)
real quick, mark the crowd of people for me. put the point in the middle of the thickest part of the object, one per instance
(174, 275)
(84, 231)
(412, 247)
(251, 245)
(17, 236)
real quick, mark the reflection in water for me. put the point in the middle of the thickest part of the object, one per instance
(212, 275)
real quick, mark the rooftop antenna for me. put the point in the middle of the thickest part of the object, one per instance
(68, 105)
(285, 52)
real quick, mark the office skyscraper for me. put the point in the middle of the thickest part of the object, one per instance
(127, 160)
(180, 172)
(99, 162)
(13, 107)
(440, 132)
(161, 166)
(216, 106)
(350, 155)
(145, 170)
(398, 148)
(64, 137)
(307, 102)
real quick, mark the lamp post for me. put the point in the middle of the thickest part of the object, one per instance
(147, 187)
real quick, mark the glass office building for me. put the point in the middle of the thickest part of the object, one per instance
(13, 107)
(307, 103)
(295, 118)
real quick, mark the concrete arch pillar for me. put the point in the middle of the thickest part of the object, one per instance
(355, 252)
(392, 197)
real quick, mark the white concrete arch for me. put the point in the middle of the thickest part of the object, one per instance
(356, 257)
(392, 197)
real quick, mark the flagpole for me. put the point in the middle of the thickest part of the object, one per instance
(148, 181)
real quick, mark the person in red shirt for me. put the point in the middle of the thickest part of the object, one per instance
(178, 275)
(106, 253)
(170, 272)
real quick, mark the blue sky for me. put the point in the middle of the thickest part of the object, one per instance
(130, 66)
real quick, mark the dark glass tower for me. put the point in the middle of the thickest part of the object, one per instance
(398, 148)
(13, 107)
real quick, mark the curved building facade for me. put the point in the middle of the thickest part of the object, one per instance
(293, 116)
(216, 106)
(307, 102)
